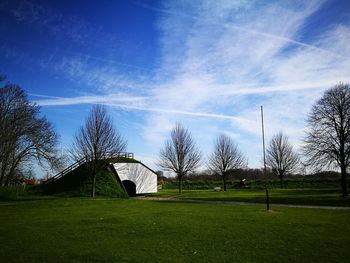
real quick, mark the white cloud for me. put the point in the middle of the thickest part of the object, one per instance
(232, 59)
(221, 60)
(110, 78)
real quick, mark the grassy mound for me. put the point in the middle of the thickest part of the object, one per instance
(79, 182)
(121, 159)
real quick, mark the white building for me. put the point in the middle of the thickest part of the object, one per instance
(136, 178)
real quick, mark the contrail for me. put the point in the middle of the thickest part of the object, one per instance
(258, 89)
(190, 113)
(60, 101)
(285, 39)
(243, 29)
(107, 100)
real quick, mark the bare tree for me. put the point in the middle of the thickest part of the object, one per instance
(97, 140)
(281, 158)
(226, 156)
(24, 135)
(327, 141)
(180, 154)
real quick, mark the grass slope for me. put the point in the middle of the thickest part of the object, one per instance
(78, 183)
(120, 230)
(330, 197)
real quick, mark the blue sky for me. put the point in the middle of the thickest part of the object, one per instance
(206, 64)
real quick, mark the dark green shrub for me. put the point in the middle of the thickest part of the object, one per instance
(290, 183)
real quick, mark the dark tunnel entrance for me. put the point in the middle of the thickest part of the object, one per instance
(130, 187)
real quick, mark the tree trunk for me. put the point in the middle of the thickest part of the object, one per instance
(93, 190)
(280, 175)
(2, 176)
(180, 184)
(7, 181)
(1, 179)
(281, 179)
(224, 179)
(9, 175)
(343, 181)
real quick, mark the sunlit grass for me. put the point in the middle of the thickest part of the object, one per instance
(83, 230)
(312, 196)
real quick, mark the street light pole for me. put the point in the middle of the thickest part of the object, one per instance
(263, 137)
(263, 140)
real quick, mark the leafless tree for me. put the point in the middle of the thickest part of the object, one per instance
(24, 135)
(281, 158)
(97, 140)
(226, 156)
(327, 142)
(180, 154)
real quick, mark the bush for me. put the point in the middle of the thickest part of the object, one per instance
(12, 193)
(275, 183)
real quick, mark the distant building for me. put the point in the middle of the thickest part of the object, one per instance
(32, 181)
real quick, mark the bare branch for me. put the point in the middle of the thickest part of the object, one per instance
(97, 140)
(327, 141)
(180, 154)
(226, 156)
(24, 135)
(281, 158)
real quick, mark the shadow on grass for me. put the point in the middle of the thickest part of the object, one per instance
(318, 197)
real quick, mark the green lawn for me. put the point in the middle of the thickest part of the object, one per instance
(112, 230)
(328, 197)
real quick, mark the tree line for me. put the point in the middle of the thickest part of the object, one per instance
(27, 136)
(326, 144)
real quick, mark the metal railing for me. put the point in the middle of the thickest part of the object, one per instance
(124, 154)
(66, 170)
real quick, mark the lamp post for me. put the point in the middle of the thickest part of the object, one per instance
(267, 198)
(263, 141)
(263, 137)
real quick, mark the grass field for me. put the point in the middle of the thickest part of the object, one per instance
(117, 230)
(328, 197)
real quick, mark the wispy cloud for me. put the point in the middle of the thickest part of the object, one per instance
(220, 52)
(111, 98)
(107, 78)
(177, 112)
(219, 61)
(117, 100)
